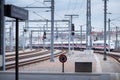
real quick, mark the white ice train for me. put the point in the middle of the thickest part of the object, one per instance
(100, 45)
(77, 44)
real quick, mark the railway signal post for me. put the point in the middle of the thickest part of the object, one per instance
(71, 33)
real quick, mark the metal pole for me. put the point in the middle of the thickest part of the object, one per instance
(38, 39)
(52, 31)
(109, 33)
(27, 30)
(12, 32)
(2, 33)
(46, 25)
(73, 42)
(43, 37)
(56, 33)
(62, 42)
(11, 39)
(70, 31)
(38, 21)
(105, 18)
(63, 67)
(30, 40)
(88, 26)
(71, 17)
(116, 45)
(35, 7)
(17, 54)
(81, 36)
(23, 40)
(69, 35)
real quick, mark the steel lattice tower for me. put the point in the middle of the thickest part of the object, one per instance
(88, 26)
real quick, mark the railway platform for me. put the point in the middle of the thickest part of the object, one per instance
(59, 76)
(99, 65)
(56, 66)
(101, 70)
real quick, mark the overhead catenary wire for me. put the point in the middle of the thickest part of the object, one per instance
(58, 16)
(80, 7)
(30, 4)
(39, 15)
(68, 6)
(41, 2)
(113, 24)
(75, 6)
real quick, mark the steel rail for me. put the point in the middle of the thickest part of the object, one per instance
(32, 61)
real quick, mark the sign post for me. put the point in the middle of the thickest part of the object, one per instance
(62, 67)
(17, 13)
(62, 59)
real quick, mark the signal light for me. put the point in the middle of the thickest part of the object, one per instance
(72, 29)
(44, 35)
(25, 30)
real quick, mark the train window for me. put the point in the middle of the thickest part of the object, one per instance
(84, 44)
(98, 44)
(106, 44)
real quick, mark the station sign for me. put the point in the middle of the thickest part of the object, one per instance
(16, 12)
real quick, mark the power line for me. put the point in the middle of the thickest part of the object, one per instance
(41, 2)
(31, 4)
(69, 4)
(39, 15)
(81, 5)
(75, 6)
(115, 18)
(113, 24)
(59, 16)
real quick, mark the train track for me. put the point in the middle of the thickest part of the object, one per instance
(30, 58)
(26, 55)
(115, 56)
(21, 53)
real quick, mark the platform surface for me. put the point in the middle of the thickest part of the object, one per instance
(58, 76)
(46, 70)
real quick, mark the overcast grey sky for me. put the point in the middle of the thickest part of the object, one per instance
(63, 7)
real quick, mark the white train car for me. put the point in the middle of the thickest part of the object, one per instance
(77, 44)
(100, 45)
